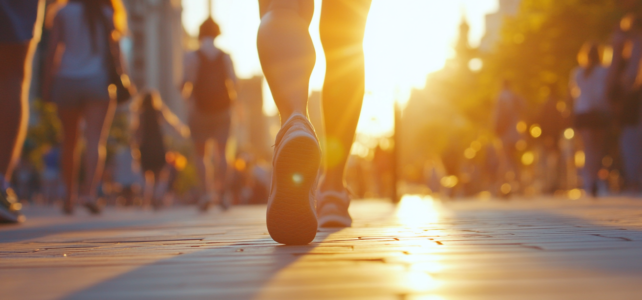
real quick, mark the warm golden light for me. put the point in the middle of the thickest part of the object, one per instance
(580, 159)
(536, 131)
(470, 153)
(475, 64)
(485, 195)
(449, 181)
(528, 158)
(476, 145)
(505, 188)
(521, 127)
(575, 194)
(417, 210)
(421, 281)
(521, 145)
(569, 133)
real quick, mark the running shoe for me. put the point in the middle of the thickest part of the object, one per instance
(9, 205)
(332, 209)
(291, 212)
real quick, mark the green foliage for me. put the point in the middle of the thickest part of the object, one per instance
(538, 47)
(45, 131)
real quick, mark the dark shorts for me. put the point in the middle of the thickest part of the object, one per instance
(17, 20)
(205, 126)
(75, 92)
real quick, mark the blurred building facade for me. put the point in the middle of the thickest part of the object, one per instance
(507, 8)
(251, 128)
(155, 48)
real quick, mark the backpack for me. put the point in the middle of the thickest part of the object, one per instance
(210, 91)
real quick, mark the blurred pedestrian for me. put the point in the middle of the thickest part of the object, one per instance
(20, 28)
(77, 80)
(150, 113)
(508, 114)
(210, 82)
(552, 118)
(592, 112)
(624, 80)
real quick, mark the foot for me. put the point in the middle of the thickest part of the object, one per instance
(205, 202)
(9, 205)
(332, 208)
(291, 212)
(68, 208)
(92, 206)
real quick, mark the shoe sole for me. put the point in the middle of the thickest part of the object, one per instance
(291, 220)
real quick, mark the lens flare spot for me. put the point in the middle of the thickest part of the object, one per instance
(470, 153)
(528, 158)
(505, 188)
(575, 194)
(536, 131)
(580, 159)
(297, 178)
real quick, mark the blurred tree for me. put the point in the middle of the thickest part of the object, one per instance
(539, 46)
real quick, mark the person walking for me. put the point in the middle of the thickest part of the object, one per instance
(592, 112)
(297, 205)
(209, 85)
(150, 113)
(623, 88)
(20, 28)
(77, 81)
(508, 113)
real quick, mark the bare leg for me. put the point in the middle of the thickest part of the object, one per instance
(287, 58)
(221, 167)
(70, 119)
(148, 192)
(342, 27)
(98, 117)
(204, 165)
(286, 52)
(160, 187)
(15, 76)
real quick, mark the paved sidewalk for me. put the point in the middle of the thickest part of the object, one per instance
(423, 249)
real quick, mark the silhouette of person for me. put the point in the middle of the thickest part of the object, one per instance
(588, 87)
(295, 207)
(508, 113)
(149, 114)
(77, 81)
(623, 88)
(20, 27)
(210, 81)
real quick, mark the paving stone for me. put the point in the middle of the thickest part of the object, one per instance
(419, 250)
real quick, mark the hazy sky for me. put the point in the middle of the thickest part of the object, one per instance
(405, 40)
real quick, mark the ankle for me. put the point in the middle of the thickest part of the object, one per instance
(286, 116)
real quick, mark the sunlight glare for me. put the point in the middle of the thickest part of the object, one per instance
(417, 210)
(421, 281)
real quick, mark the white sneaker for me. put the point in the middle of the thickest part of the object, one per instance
(332, 209)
